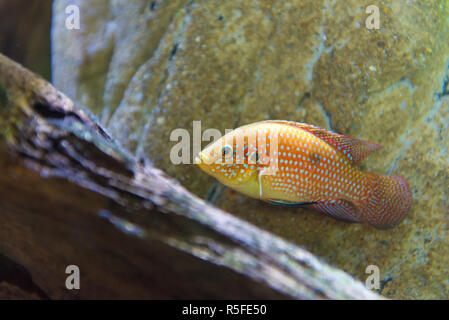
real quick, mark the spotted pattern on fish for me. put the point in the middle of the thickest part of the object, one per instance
(296, 163)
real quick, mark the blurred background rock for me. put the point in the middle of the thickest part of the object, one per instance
(25, 33)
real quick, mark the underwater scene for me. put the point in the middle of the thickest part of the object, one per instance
(238, 149)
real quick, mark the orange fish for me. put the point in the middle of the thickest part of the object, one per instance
(286, 162)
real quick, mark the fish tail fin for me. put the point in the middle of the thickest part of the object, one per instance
(388, 202)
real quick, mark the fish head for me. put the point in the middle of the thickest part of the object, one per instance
(234, 160)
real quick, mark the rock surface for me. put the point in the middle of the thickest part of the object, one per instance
(148, 67)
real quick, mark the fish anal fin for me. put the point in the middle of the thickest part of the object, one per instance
(338, 209)
(355, 149)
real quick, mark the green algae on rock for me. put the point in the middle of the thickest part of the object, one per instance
(228, 63)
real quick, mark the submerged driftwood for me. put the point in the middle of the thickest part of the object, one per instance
(69, 195)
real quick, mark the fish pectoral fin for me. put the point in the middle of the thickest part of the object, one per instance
(260, 175)
(339, 209)
(288, 203)
(267, 171)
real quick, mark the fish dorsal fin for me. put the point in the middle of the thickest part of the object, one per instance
(355, 149)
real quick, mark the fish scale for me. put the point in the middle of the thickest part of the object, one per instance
(310, 170)
(286, 162)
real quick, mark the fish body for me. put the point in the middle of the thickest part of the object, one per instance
(287, 162)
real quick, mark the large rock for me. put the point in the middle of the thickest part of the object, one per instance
(148, 67)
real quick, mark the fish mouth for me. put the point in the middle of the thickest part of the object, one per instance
(204, 162)
(201, 160)
(198, 158)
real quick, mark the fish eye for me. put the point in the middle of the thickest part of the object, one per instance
(226, 151)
